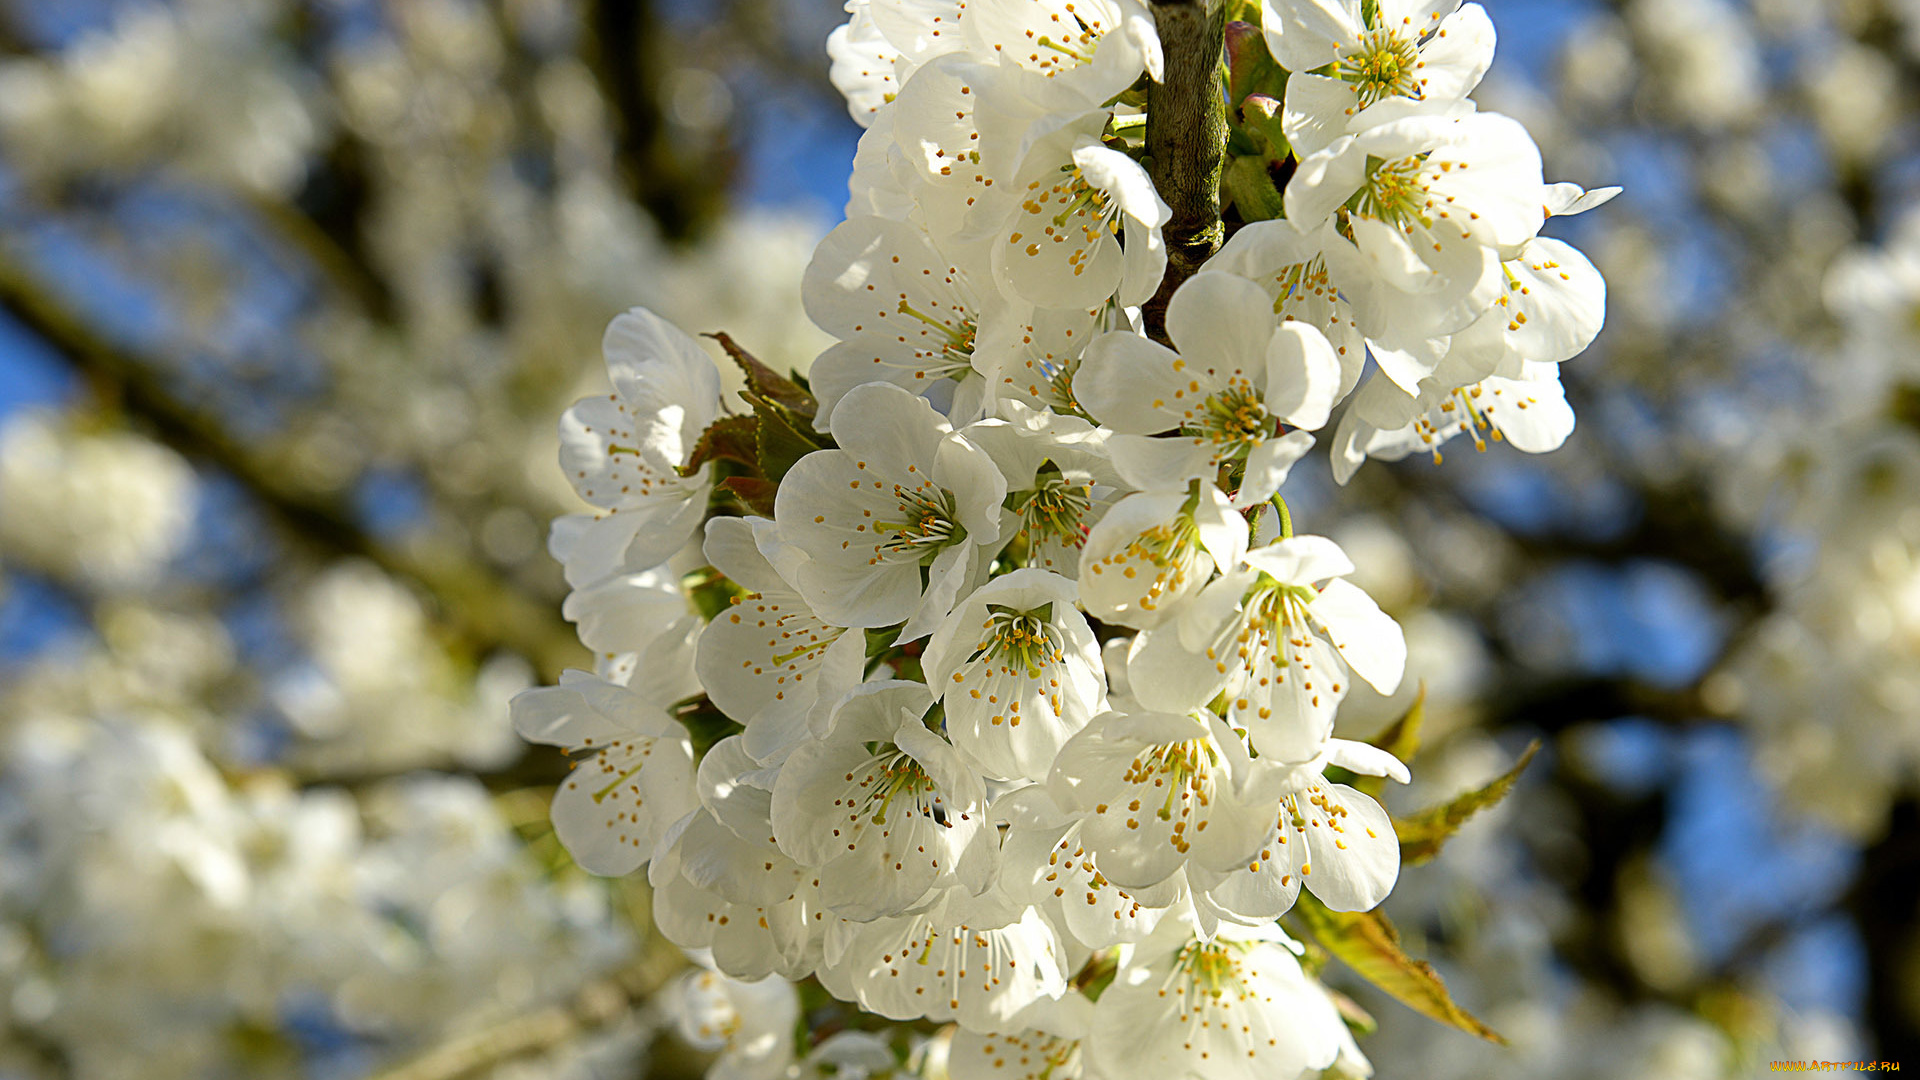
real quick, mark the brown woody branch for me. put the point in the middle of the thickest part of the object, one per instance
(1186, 141)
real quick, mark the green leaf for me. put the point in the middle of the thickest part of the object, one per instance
(1248, 184)
(1098, 973)
(769, 383)
(711, 591)
(880, 639)
(754, 492)
(730, 438)
(1260, 118)
(705, 723)
(1423, 834)
(1366, 942)
(1358, 1020)
(782, 441)
(1401, 739)
(1250, 67)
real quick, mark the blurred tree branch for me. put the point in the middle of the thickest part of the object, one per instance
(482, 608)
(682, 187)
(1555, 705)
(1885, 905)
(596, 1007)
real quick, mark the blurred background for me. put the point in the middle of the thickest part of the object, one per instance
(293, 292)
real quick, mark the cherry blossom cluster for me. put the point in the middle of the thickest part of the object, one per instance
(1002, 691)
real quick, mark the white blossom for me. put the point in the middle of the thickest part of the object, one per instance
(1237, 1006)
(1330, 838)
(634, 780)
(1156, 790)
(1240, 389)
(768, 661)
(1282, 636)
(882, 806)
(903, 491)
(749, 1023)
(622, 452)
(1417, 49)
(1018, 671)
(1156, 549)
(1385, 422)
(1060, 244)
(943, 968)
(108, 509)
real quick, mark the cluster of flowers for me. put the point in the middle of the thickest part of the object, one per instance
(1010, 701)
(242, 929)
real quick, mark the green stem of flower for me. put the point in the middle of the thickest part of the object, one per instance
(1286, 519)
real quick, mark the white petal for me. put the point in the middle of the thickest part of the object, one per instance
(1532, 414)
(978, 488)
(1566, 199)
(1126, 381)
(1221, 324)
(1268, 465)
(612, 807)
(1170, 676)
(1304, 34)
(655, 365)
(1301, 560)
(1143, 264)
(1303, 376)
(1454, 59)
(1223, 532)
(732, 547)
(1368, 638)
(1316, 111)
(1324, 180)
(1123, 179)
(1365, 759)
(1557, 301)
(1159, 464)
(1355, 854)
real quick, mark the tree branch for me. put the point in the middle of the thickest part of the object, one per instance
(482, 608)
(1186, 141)
(597, 1005)
(682, 187)
(1883, 900)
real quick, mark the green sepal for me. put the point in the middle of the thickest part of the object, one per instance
(755, 493)
(1260, 118)
(1098, 973)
